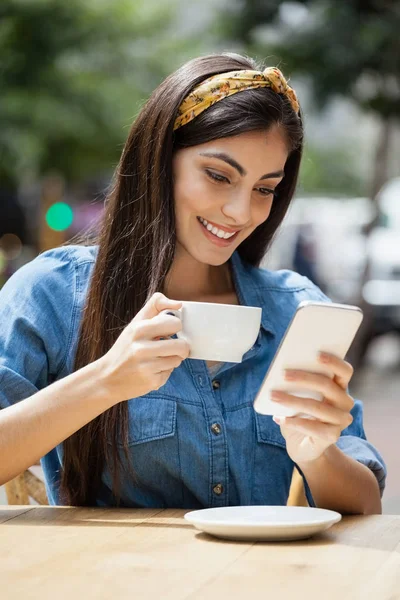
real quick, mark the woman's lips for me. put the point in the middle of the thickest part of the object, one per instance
(221, 242)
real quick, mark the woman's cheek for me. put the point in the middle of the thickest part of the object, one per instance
(198, 198)
(259, 215)
(265, 211)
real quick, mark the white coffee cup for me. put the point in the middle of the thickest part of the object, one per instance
(220, 332)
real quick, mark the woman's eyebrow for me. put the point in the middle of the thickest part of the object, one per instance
(241, 170)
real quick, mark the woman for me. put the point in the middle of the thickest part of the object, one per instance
(93, 378)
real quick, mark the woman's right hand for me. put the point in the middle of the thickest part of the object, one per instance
(139, 362)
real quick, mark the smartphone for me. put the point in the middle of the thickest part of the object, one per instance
(315, 327)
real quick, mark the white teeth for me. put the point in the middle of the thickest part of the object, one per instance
(217, 232)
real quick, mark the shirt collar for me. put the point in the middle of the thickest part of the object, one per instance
(249, 292)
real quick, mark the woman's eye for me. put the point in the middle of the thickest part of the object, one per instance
(266, 191)
(216, 176)
(222, 179)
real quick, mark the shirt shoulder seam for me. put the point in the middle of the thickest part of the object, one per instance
(76, 264)
(67, 252)
(289, 289)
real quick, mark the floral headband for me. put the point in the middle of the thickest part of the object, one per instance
(220, 86)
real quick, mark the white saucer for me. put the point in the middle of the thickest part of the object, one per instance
(263, 523)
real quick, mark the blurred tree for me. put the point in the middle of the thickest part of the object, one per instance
(345, 47)
(329, 171)
(73, 75)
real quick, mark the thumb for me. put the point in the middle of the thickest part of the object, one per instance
(157, 303)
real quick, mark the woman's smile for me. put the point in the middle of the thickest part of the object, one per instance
(216, 234)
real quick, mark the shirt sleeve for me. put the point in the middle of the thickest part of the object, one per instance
(353, 442)
(36, 314)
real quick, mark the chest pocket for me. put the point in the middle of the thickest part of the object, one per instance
(151, 418)
(268, 432)
(153, 453)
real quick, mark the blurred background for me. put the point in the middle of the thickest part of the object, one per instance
(74, 75)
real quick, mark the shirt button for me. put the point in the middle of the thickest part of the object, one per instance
(216, 428)
(216, 385)
(218, 489)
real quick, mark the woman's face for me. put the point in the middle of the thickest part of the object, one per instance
(223, 190)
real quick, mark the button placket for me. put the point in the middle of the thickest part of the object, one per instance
(207, 388)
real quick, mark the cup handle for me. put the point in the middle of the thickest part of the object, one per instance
(177, 313)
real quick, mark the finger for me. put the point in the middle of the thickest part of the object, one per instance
(158, 349)
(323, 411)
(168, 363)
(310, 427)
(342, 370)
(161, 326)
(155, 305)
(321, 383)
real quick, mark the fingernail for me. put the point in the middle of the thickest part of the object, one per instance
(276, 396)
(277, 420)
(323, 357)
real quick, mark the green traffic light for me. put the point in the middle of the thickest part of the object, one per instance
(59, 216)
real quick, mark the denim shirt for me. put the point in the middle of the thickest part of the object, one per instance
(197, 441)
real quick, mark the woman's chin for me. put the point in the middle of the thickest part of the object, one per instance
(213, 259)
(206, 254)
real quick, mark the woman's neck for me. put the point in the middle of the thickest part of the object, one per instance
(191, 280)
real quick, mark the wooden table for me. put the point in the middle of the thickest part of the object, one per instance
(74, 553)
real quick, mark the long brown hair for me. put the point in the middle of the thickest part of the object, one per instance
(136, 243)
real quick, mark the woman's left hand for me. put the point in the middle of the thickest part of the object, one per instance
(308, 439)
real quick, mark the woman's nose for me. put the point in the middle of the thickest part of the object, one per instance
(237, 208)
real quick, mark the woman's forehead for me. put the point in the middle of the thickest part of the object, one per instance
(250, 149)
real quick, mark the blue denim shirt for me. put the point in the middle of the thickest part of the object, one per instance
(195, 442)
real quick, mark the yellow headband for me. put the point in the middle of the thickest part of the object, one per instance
(220, 86)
